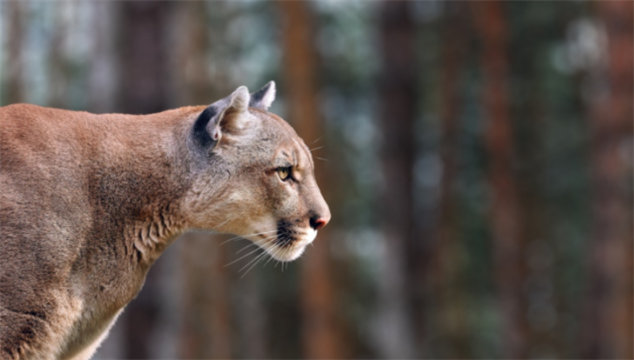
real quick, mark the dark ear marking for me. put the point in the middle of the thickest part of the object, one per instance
(207, 128)
(201, 136)
(263, 98)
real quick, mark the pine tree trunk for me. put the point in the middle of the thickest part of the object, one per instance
(319, 332)
(608, 327)
(102, 68)
(505, 208)
(397, 101)
(252, 317)
(144, 56)
(448, 279)
(207, 331)
(14, 17)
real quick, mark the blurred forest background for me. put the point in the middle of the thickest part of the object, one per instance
(476, 156)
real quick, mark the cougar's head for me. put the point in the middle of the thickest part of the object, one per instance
(254, 176)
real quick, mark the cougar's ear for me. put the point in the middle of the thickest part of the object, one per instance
(207, 129)
(263, 98)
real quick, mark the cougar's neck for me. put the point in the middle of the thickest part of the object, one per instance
(140, 180)
(148, 237)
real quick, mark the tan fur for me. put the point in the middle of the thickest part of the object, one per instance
(88, 202)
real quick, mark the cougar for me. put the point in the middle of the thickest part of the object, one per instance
(88, 203)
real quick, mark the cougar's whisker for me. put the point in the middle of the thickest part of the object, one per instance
(233, 238)
(256, 260)
(245, 255)
(275, 250)
(259, 258)
(286, 262)
(269, 260)
(245, 236)
(254, 243)
(282, 251)
(319, 138)
(224, 222)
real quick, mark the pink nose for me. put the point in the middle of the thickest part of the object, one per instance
(319, 223)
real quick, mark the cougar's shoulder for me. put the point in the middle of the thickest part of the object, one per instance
(63, 201)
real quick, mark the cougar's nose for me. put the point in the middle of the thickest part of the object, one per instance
(318, 222)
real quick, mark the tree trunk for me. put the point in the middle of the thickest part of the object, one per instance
(608, 328)
(207, 327)
(102, 68)
(252, 317)
(397, 99)
(192, 82)
(505, 208)
(14, 86)
(319, 332)
(448, 279)
(143, 56)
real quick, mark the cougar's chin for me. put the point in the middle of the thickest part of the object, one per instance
(289, 244)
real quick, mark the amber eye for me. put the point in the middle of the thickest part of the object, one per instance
(284, 173)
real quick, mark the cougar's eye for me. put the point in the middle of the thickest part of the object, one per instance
(284, 173)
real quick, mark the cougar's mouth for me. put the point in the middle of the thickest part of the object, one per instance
(290, 241)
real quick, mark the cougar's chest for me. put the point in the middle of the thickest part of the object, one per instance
(103, 299)
(89, 330)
